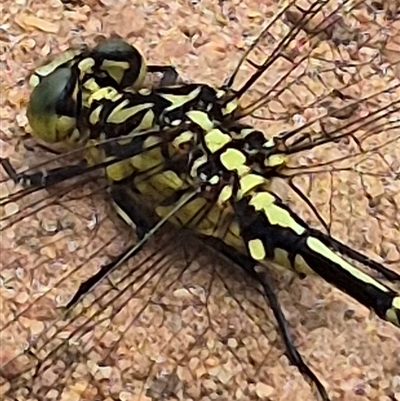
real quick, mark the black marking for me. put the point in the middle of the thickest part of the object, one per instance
(248, 265)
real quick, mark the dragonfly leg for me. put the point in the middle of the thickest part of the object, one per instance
(45, 178)
(249, 266)
(128, 210)
(91, 282)
(136, 218)
(169, 74)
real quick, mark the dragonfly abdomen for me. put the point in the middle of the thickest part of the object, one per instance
(272, 231)
(333, 268)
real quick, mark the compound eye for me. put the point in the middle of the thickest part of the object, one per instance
(53, 105)
(121, 62)
(114, 48)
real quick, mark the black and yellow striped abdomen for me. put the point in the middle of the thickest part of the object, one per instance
(271, 230)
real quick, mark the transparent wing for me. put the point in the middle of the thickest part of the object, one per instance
(310, 50)
(323, 77)
(166, 302)
(60, 236)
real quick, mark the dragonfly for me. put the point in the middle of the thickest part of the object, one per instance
(338, 126)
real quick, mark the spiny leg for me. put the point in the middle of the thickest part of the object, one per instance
(131, 214)
(169, 74)
(292, 353)
(46, 178)
(131, 251)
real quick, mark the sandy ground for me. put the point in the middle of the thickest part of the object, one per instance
(180, 324)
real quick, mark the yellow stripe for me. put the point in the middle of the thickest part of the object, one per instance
(225, 194)
(246, 131)
(156, 187)
(85, 66)
(64, 127)
(120, 170)
(201, 119)
(94, 154)
(256, 249)
(281, 217)
(275, 161)
(270, 143)
(301, 266)
(75, 92)
(94, 117)
(34, 81)
(391, 316)
(91, 85)
(233, 159)
(89, 88)
(216, 139)
(183, 138)
(150, 158)
(116, 69)
(230, 107)
(210, 224)
(61, 59)
(179, 100)
(281, 257)
(186, 213)
(142, 73)
(196, 164)
(108, 93)
(261, 200)
(265, 202)
(248, 183)
(317, 246)
(145, 91)
(147, 121)
(393, 313)
(120, 114)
